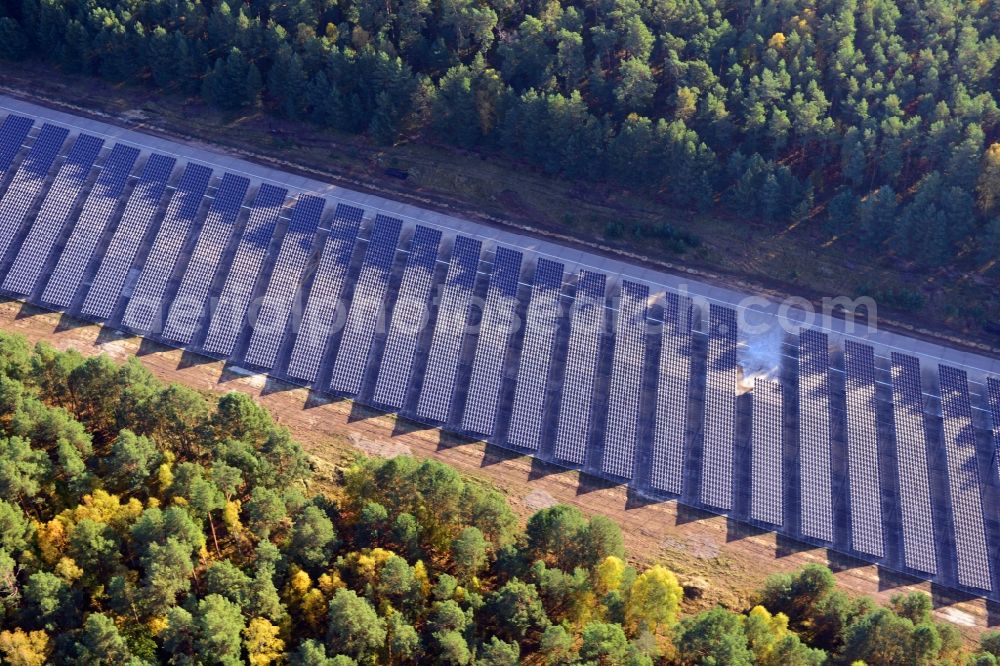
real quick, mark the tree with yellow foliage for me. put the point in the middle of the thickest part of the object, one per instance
(420, 573)
(263, 646)
(52, 539)
(653, 601)
(308, 600)
(773, 644)
(608, 575)
(21, 648)
(103, 507)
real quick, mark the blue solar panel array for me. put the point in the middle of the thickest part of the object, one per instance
(59, 202)
(816, 489)
(720, 409)
(576, 403)
(228, 317)
(575, 389)
(94, 219)
(13, 132)
(540, 328)
(409, 317)
(28, 182)
(144, 311)
(313, 336)
(911, 461)
(972, 557)
(625, 394)
(767, 474)
(673, 390)
(188, 304)
(491, 347)
(438, 388)
(862, 449)
(132, 229)
(367, 306)
(276, 307)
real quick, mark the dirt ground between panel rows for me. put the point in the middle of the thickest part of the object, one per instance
(725, 559)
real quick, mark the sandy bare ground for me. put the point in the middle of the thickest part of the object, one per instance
(732, 557)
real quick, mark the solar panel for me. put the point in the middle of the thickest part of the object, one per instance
(409, 317)
(766, 453)
(672, 396)
(993, 393)
(971, 553)
(28, 183)
(438, 387)
(13, 132)
(720, 409)
(367, 306)
(576, 400)
(59, 202)
(625, 392)
(911, 461)
(89, 227)
(145, 307)
(540, 327)
(188, 304)
(132, 229)
(814, 436)
(492, 342)
(324, 296)
(228, 315)
(862, 449)
(272, 317)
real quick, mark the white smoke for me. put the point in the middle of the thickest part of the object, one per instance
(759, 355)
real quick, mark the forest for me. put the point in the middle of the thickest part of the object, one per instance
(875, 118)
(145, 523)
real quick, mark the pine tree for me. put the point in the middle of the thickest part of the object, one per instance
(232, 83)
(13, 41)
(162, 58)
(287, 84)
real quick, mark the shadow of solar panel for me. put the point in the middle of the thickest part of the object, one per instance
(276, 307)
(186, 308)
(28, 183)
(862, 449)
(367, 306)
(313, 336)
(438, 388)
(625, 390)
(132, 229)
(576, 398)
(59, 202)
(535, 363)
(409, 317)
(971, 553)
(90, 225)
(229, 314)
(912, 470)
(816, 491)
(144, 311)
(492, 342)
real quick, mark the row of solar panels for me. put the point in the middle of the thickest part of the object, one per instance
(200, 265)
